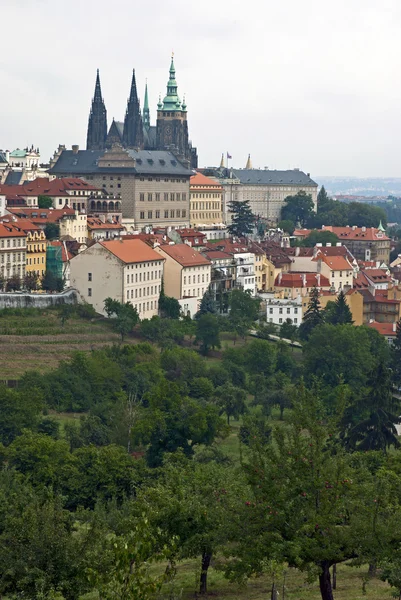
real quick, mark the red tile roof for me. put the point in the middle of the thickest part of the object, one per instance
(65, 254)
(294, 279)
(42, 215)
(131, 251)
(24, 224)
(57, 187)
(201, 180)
(10, 230)
(217, 255)
(348, 233)
(185, 255)
(387, 329)
(95, 223)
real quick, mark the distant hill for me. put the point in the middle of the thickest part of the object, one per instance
(356, 186)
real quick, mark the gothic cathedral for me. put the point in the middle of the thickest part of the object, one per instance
(170, 132)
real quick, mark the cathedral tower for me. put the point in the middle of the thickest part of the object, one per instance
(146, 111)
(133, 129)
(97, 123)
(172, 124)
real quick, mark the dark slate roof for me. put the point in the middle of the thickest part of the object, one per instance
(269, 177)
(150, 137)
(84, 161)
(13, 178)
(147, 162)
(3, 158)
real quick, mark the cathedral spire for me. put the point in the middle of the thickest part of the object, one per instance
(249, 163)
(97, 123)
(133, 131)
(146, 111)
(171, 101)
(222, 161)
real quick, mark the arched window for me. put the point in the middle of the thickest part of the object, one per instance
(98, 205)
(117, 206)
(93, 205)
(111, 206)
(105, 205)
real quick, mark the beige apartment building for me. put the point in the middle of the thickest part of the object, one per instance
(153, 185)
(187, 272)
(12, 250)
(125, 270)
(206, 198)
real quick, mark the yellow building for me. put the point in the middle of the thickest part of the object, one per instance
(353, 298)
(36, 251)
(206, 197)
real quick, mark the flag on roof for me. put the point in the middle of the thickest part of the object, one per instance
(229, 155)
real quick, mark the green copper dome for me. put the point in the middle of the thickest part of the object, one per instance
(172, 101)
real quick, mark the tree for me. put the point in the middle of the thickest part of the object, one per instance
(319, 237)
(207, 332)
(13, 284)
(377, 414)
(288, 330)
(287, 226)
(126, 316)
(51, 283)
(242, 220)
(298, 208)
(231, 400)
(45, 201)
(52, 231)
(207, 304)
(65, 312)
(395, 356)
(2, 282)
(313, 317)
(31, 281)
(244, 310)
(339, 312)
(19, 409)
(322, 199)
(169, 307)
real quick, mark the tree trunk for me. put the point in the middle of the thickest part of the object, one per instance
(281, 413)
(274, 594)
(372, 568)
(325, 581)
(206, 558)
(334, 577)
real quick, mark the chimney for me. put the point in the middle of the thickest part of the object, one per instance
(280, 276)
(394, 326)
(318, 279)
(319, 245)
(364, 229)
(75, 148)
(353, 227)
(323, 227)
(297, 250)
(328, 245)
(303, 280)
(338, 244)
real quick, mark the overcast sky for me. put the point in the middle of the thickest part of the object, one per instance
(311, 84)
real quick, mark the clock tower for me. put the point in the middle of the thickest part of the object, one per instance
(172, 124)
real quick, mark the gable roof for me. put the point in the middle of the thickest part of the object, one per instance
(57, 187)
(131, 251)
(273, 177)
(201, 180)
(294, 279)
(185, 255)
(42, 215)
(348, 233)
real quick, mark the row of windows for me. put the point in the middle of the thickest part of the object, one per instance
(151, 264)
(14, 244)
(347, 274)
(111, 185)
(206, 206)
(151, 275)
(146, 292)
(173, 214)
(200, 216)
(165, 179)
(13, 257)
(281, 320)
(36, 248)
(280, 311)
(152, 305)
(194, 279)
(187, 293)
(205, 195)
(36, 261)
(172, 196)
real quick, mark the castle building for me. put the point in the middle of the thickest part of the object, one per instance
(136, 132)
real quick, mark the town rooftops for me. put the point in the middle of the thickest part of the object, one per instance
(97, 224)
(348, 233)
(57, 187)
(201, 181)
(147, 162)
(217, 255)
(131, 251)
(269, 177)
(11, 230)
(294, 279)
(43, 215)
(335, 263)
(185, 255)
(24, 224)
(387, 329)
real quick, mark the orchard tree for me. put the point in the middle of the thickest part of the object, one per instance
(207, 332)
(13, 284)
(31, 281)
(231, 401)
(126, 316)
(242, 220)
(244, 310)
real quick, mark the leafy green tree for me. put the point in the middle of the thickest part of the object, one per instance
(244, 310)
(322, 199)
(259, 357)
(231, 400)
(377, 414)
(319, 237)
(45, 201)
(31, 281)
(51, 283)
(287, 226)
(242, 220)
(343, 354)
(207, 332)
(65, 312)
(126, 316)
(164, 332)
(19, 409)
(313, 316)
(52, 231)
(13, 284)
(338, 313)
(298, 208)
(288, 330)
